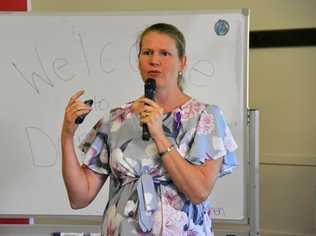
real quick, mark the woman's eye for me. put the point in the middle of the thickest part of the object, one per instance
(165, 53)
(146, 53)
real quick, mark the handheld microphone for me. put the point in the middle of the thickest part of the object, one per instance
(150, 90)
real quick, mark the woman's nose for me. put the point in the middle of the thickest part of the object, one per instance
(154, 59)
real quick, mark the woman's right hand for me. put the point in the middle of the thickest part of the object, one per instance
(74, 109)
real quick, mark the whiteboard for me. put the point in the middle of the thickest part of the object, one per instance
(45, 59)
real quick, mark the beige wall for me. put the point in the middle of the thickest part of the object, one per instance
(266, 14)
(282, 86)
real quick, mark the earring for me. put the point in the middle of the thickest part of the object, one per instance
(180, 73)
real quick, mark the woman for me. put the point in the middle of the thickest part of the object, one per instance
(161, 186)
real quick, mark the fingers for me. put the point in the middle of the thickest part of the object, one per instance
(74, 97)
(149, 102)
(145, 104)
(147, 108)
(79, 110)
(137, 106)
(76, 109)
(150, 115)
(144, 114)
(148, 111)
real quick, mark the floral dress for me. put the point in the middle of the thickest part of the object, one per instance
(143, 200)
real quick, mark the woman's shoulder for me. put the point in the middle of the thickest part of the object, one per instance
(194, 107)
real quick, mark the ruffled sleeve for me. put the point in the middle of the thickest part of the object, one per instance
(95, 146)
(213, 139)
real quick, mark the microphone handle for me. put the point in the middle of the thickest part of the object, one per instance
(146, 134)
(149, 93)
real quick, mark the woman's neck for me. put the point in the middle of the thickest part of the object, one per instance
(169, 100)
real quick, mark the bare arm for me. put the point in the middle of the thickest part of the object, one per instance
(82, 184)
(195, 181)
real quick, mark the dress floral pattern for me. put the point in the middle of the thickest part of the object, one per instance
(142, 198)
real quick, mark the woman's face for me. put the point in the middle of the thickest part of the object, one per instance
(159, 60)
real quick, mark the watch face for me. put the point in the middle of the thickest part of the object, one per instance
(221, 27)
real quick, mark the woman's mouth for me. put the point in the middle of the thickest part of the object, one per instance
(153, 73)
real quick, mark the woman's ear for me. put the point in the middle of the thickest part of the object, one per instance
(183, 63)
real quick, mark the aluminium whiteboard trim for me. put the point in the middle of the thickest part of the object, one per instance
(254, 194)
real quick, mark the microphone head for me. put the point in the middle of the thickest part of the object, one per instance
(150, 84)
(150, 88)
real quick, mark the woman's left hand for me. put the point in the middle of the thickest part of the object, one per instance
(150, 113)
